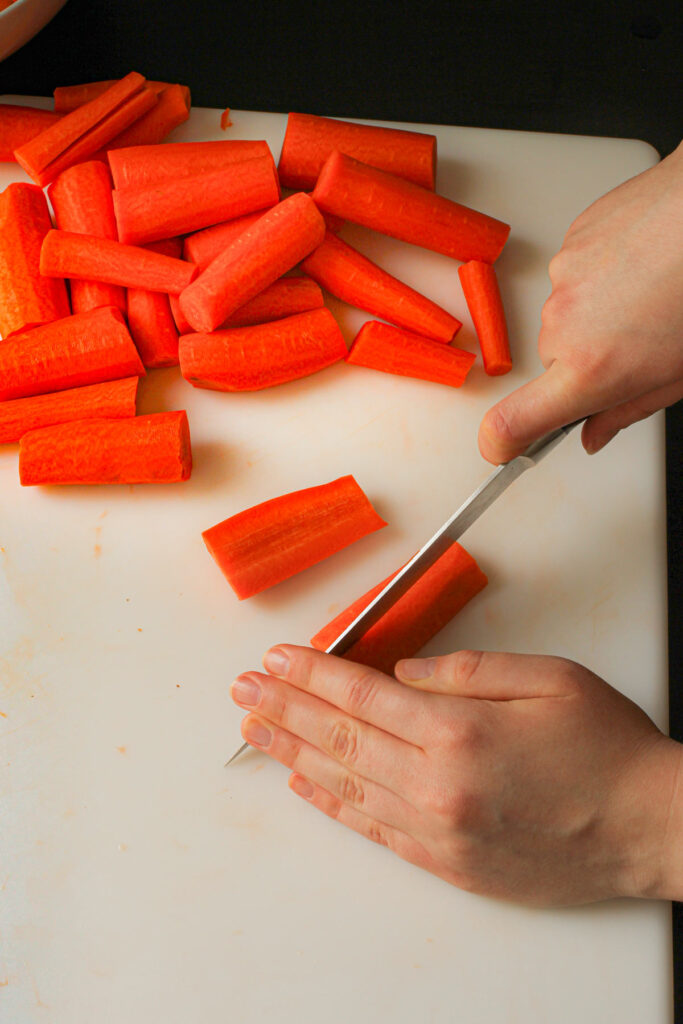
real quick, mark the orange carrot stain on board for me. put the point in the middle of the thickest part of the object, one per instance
(122, 750)
(97, 549)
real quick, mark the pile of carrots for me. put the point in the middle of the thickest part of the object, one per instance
(187, 253)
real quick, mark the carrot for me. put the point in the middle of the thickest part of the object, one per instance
(150, 319)
(225, 119)
(85, 348)
(152, 449)
(480, 287)
(386, 348)
(78, 135)
(170, 110)
(310, 139)
(406, 211)
(282, 298)
(147, 213)
(81, 200)
(203, 246)
(110, 400)
(260, 255)
(26, 298)
(149, 164)
(252, 358)
(429, 605)
(270, 542)
(69, 97)
(355, 279)
(68, 254)
(179, 320)
(20, 124)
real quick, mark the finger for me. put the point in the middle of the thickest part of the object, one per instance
(603, 426)
(489, 675)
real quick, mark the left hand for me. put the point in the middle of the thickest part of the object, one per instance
(516, 776)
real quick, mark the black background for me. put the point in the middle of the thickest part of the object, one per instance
(606, 68)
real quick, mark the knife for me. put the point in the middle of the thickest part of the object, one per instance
(452, 529)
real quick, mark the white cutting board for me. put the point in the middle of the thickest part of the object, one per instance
(142, 881)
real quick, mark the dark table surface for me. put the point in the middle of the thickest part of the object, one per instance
(606, 68)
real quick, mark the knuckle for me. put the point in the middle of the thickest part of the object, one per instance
(343, 741)
(467, 664)
(377, 833)
(361, 690)
(351, 790)
(500, 424)
(458, 809)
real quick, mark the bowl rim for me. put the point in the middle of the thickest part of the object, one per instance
(15, 6)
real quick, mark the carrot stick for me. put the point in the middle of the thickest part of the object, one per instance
(78, 135)
(170, 111)
(428, 606)
(147, 213)
(355, 279)
(310, 139)
(69, 97)
(26, 298)
(270, 542)
(152, 449)
(382, 347)
(179, 320)
(252, 358)
(480, 287)
(81, 200)
(149, 164)
(280, 299)
(150, 320)
(110, 400)
(85, 348)
(20, 124)
(260, 255)
(203, 246)
(406, 211)
(68, 254)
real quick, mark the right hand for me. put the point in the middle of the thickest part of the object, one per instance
(611, 339)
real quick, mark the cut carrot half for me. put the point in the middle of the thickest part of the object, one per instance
(383, 347)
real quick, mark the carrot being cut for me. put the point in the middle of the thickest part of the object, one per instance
(150, 319)
(428, 606)
(482, 294)
(81, 200)
(85, 348)
(252, 358)
(270, 542)
(26, 297)
(69, 97)
(139, 165)
(68, 254)
(176, 206)
(170, 111)
(382, 347)
(274, 244)
(309, 140)
(113, 399)
(403, 210)
(153, 449)
(20, 124)
(355, 279)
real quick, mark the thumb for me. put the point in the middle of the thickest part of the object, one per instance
(489, 675)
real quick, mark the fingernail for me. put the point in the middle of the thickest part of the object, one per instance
(276, 662)
(302, 787)
(245, 691)
(256, 733)
(417, 668)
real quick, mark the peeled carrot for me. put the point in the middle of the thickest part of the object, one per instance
(68, 254)
(26, 298)
(85, 348)
(429, 605)
(382, 347)
(270, 542)
(81, 200)
(69, 97)
(355, 279)
(149, 164)
(406, 211)
(252, 358)
(179, 320)
(310, 139)
(203, 246)
(111, 400)
(170, 111)
(20, 124)
(280, 299)
(480, 287)
(275, 243)
(152, 449)
(150, 319)
(147, 213)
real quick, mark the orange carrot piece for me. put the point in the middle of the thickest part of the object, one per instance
(113, 399)
(20, 124)
(179, 320)
(81, 200)
(69, 97)
(147, 213)
(310, 139)
(401, 209)
(170, 111)
(150, 320)
(150, 164)
(225, 119)
(355, 279)
(26, 298)
(202, 247)
(85, 348)
(260, 255)
(382, 347)
(252, 358)
(273, 541)
(152, 449)
(429, 605)
(480, 287)
(68, 254)
(280, 299)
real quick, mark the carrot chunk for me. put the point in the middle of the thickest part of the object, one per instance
(20, 124)
(149, 164)
(280, 299)
(69, 97)
(382, 347)
(150, 319)
(170, 111)
(111, 400)
(480, 287)
(202, 247)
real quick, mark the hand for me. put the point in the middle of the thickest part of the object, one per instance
(611, 339)
(521, 777)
